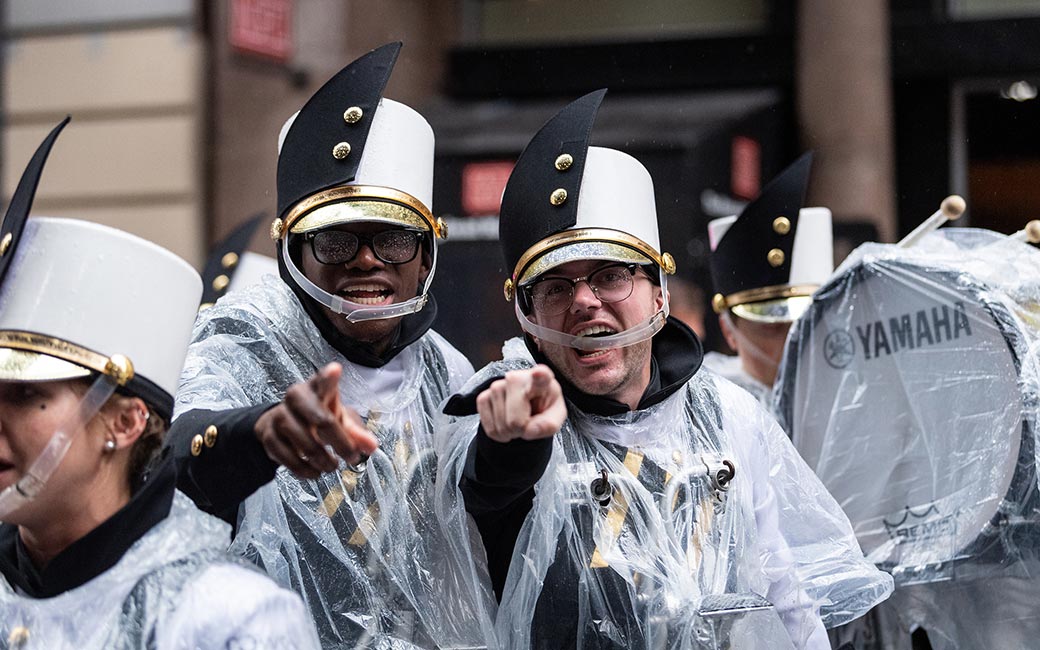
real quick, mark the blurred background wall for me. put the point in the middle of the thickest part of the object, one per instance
(177, 106)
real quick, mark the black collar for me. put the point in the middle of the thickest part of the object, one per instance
(675, 356)
(98, 550)
(410, 328)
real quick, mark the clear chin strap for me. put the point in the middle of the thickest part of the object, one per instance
(29, 486)
(635, 334)
(353, 311)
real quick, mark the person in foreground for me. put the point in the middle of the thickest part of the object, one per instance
(615, 485)
(97, 548)
(766, 263)
(299, 379)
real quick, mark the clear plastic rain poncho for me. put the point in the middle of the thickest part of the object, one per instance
(364, 548)
(173, 589)
(644, 563)
(911, 387)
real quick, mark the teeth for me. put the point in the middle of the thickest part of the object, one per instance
(365, 287)
(593, 355)
(595, 329)
(367, 301)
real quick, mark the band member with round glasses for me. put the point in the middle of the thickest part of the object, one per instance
(614, 484)
(97, 548)
(320, 388)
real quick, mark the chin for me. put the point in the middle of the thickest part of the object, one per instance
(374, 333)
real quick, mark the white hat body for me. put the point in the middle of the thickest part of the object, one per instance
(251, 268)
(104, 290)
(617, 192)
(398, 152)
(812, 257)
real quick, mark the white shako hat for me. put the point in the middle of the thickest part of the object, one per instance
(351, 155)
(768, 261)
(78, 298)
(568, 201)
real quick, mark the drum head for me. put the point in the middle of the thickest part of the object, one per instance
(900, 388)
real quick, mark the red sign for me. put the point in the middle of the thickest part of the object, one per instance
(482, 186)
(262, 27)
(745, 168)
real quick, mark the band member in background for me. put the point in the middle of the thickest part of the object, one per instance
(328, 379)
(615, 484)
(97, 548)
(766, 263)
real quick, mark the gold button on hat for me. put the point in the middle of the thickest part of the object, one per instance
(558, 197)
(353, 115)
(196, 445)
(210, 437)
(341, 150)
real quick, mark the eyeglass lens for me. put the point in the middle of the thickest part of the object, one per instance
(389, 246)
(552, 296)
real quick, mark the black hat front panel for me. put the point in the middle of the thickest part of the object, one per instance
(22, 199)
(541, 197)
(756, 251)
(325, 143)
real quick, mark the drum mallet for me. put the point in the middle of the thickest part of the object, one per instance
(951, 209)
(1030, 234)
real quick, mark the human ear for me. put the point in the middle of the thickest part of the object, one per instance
(127, 418)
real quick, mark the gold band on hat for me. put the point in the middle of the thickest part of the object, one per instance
(616, 245)
(339, 205)
(26, 356)
(776, 293)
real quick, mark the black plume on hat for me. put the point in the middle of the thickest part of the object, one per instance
(742, 260)
(21, 202)
(306, 163)
(528, 214)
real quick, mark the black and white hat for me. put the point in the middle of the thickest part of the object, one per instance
(567, 201)
(230, 266)
(767, 262)
(78, 298)
(351, 155)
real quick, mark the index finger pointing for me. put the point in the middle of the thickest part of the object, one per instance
(325, 384)
(541, 380)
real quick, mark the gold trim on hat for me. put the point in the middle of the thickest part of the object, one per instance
(17, 366)
(397, 206)
(721, 303)
(620, 241)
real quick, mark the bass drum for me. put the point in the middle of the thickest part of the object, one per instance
(910, 387)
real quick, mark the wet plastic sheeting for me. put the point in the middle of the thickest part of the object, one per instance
(911, 388)
(634, 570)
(366, 550)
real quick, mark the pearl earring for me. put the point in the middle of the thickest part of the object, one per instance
(110, 445)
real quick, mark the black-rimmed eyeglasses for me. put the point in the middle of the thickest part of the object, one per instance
(554, 295)
(396, 246)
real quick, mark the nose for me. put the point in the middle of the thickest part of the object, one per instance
(584, 297)
(365, 259)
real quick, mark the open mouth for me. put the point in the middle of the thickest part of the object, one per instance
(367, 294)
(594, 331)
